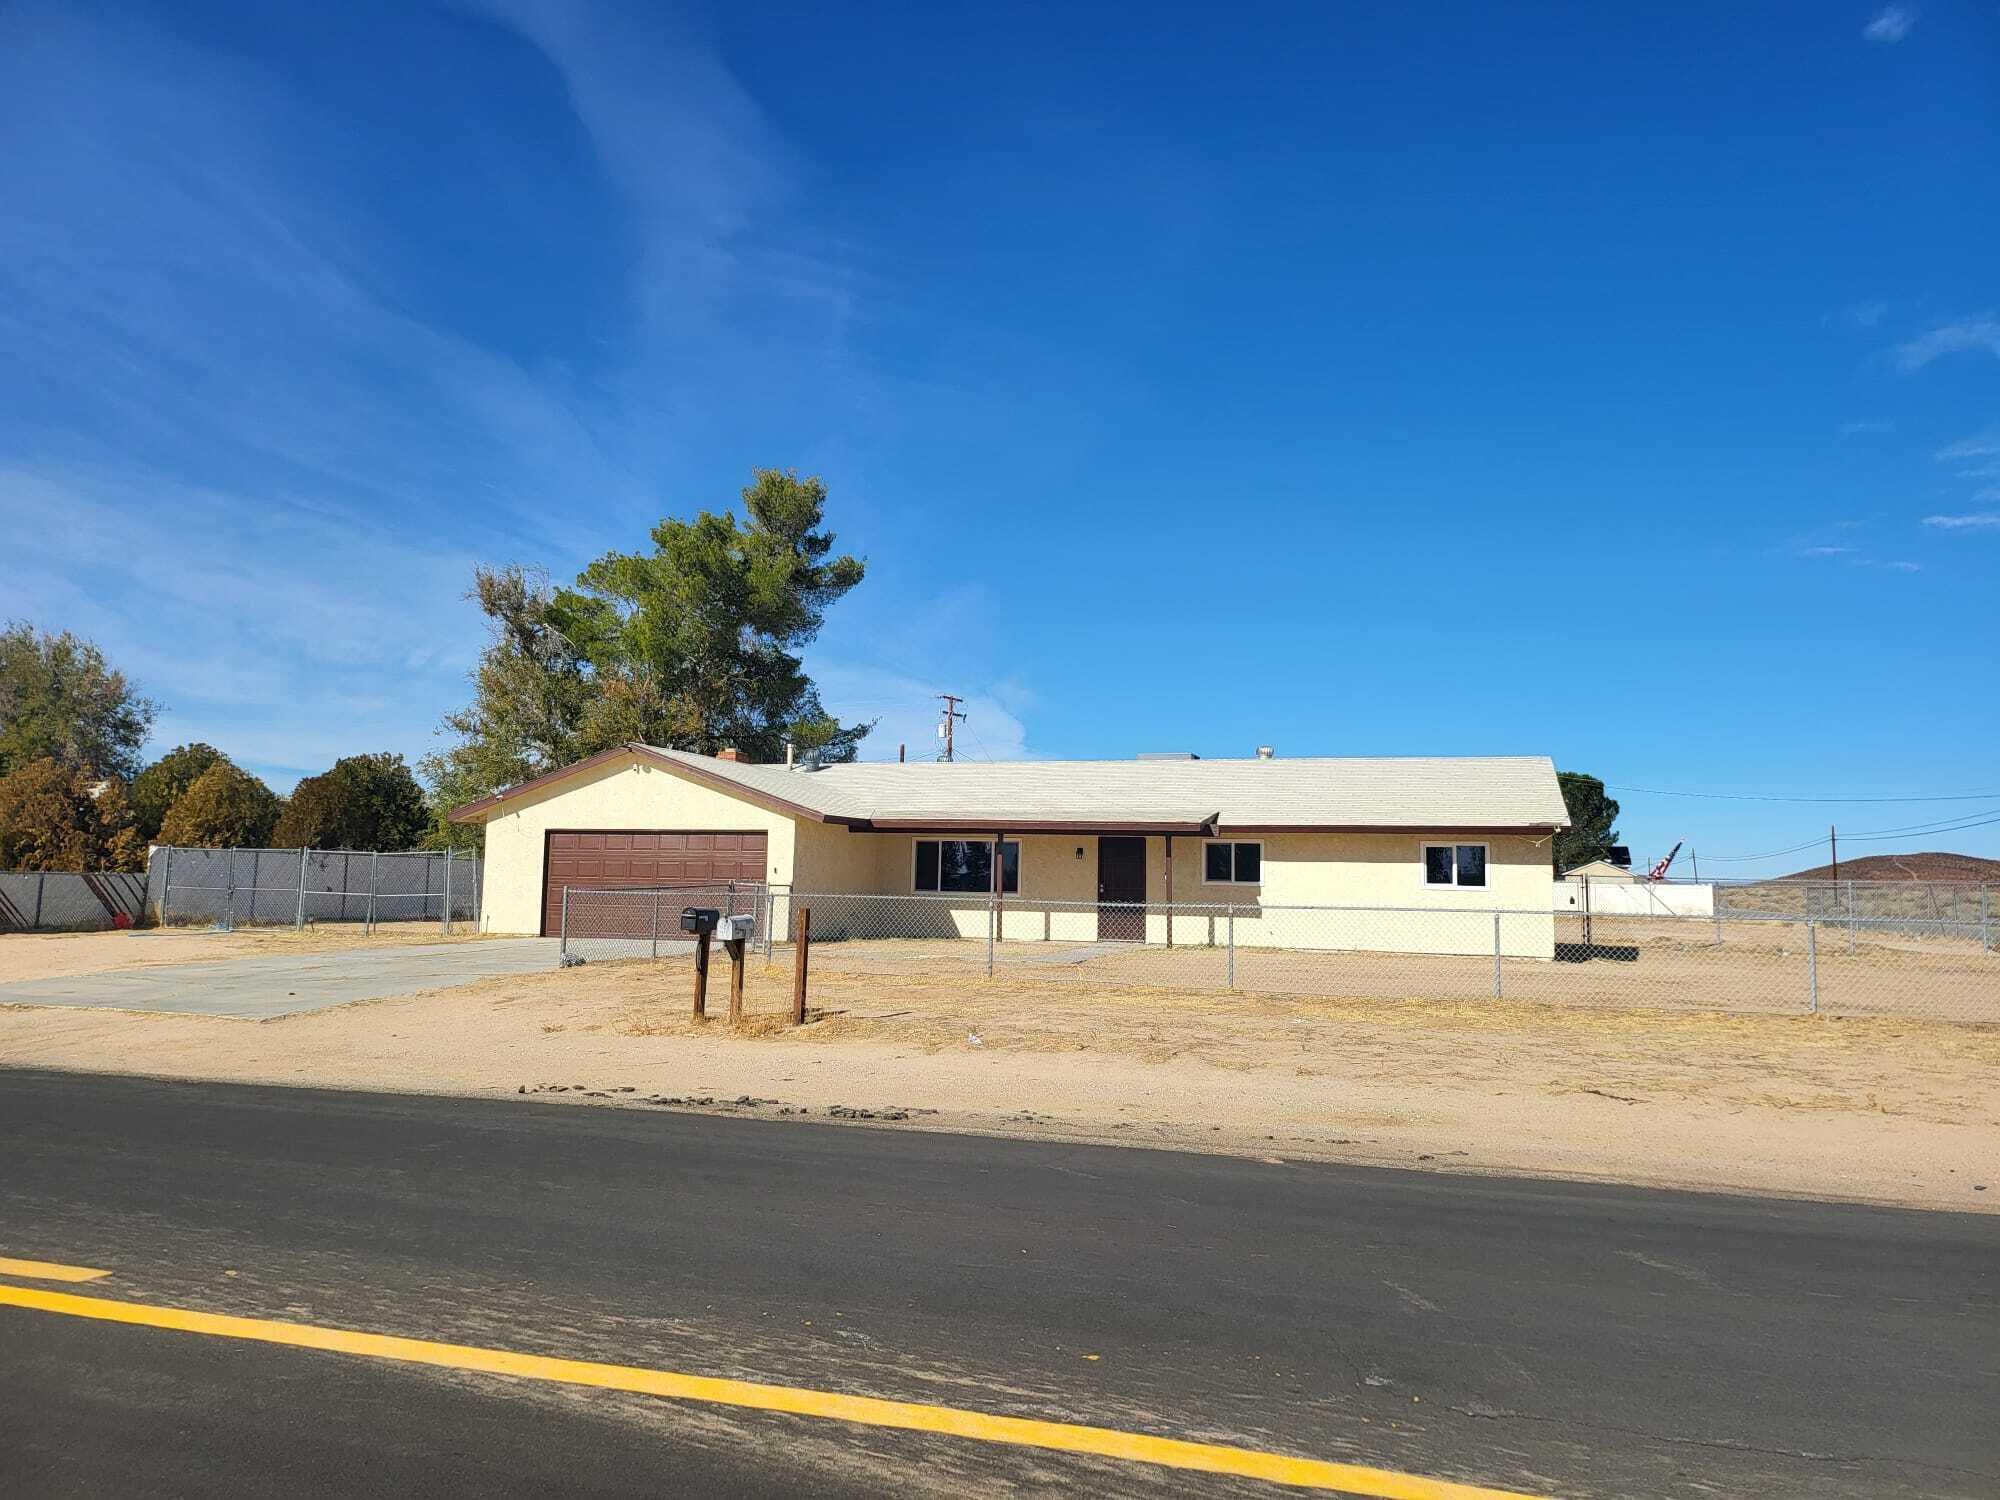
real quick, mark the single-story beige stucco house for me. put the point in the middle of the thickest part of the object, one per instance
(1431, 846)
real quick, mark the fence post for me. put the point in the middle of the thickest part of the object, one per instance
(1496, 955)
(374, 863)
(1850, 918)
(1812, 962)
(770, 919)
(1985, 918)
(229, 917)
(992, 914)
(41, 883)
(444, 924)
(166, 884)
(801, 941)
(1718, 922)
(562, 947)
(1231, 966)
(299, 916)
(656, 923)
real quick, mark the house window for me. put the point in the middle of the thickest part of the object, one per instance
(1231, 864)
(1455, 864)
(966, 865)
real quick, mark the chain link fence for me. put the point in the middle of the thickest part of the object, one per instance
(292, 887)
(646, 923)
(1925, 904)
(1771, 962)
(61, 901)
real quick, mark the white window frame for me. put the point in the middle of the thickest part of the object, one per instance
(1205, 843)
(1020, 864)
(1454, 845)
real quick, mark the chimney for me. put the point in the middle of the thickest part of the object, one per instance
(1265, 752)
(731, 753)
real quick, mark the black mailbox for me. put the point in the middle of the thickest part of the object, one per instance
(699, 919)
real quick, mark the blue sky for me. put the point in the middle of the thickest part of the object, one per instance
(1617, 384)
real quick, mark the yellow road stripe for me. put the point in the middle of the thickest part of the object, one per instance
(1064, 1437)
(47, 1270)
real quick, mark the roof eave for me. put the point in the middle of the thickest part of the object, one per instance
(962, 825)
(1433, 828)
(478, 811)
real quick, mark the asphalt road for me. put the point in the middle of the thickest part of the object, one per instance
(1556, 1339)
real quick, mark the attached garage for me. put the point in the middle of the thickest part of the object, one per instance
(642, 859)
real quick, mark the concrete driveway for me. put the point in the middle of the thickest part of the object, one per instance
(259, 988)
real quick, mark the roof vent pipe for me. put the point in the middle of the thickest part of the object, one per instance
(788, 752)
(1265, 752)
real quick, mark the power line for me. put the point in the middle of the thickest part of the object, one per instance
(1655, 791)
(1875, 835)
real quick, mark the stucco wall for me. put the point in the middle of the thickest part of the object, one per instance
(1345, 870)
(1348, 870)
(619, 795)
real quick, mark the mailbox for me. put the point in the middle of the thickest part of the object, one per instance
(699, 919)
(736, 929)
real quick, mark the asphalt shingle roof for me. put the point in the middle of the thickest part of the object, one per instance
(1320, 791)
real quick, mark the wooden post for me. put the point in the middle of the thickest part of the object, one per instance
(801, 941)
(701, 976)
(735, 947)
(1170, 890)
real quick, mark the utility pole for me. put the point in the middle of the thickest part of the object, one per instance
(946, 719)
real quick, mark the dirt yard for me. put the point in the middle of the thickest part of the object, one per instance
(64, 955)
(1760, 966)
(1875, 1109)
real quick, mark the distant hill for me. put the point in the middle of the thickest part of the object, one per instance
(1907, 867)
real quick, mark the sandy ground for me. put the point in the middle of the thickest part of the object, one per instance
(64, 955)
(1760, 967)
(1872, 1109)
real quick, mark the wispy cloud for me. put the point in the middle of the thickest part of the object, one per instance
(1890, 24)
(1978, 447)
(1970, 521)
(1976, 335)
(1864, 426)
(1862, 314)
(254, 453)
(1904, 567)
(905, 711)
(1825, 551)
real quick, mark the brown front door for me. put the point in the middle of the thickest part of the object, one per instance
(642, 860)
(1121, 877)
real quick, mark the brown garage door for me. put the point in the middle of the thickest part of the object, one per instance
(638, 860)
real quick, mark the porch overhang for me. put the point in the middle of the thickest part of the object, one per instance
(1201, 828)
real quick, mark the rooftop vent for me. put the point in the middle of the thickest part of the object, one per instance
(1265, 752)
(1166, 755)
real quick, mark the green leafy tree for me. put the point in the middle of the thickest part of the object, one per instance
(157, 788)
(60, 701)
(62, 817)
(224, 808)
(364, 802)
(1593, 820)
(691, 645)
